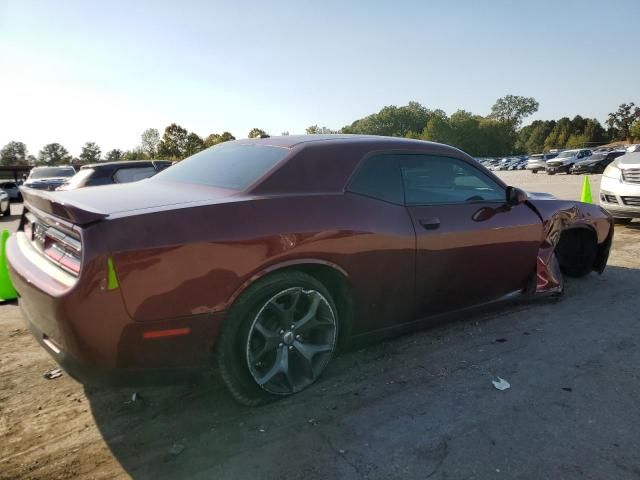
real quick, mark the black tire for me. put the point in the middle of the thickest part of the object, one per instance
(534, 171)
(19, 199)
(576, 252)
(233, 353)
(622, 221)
(551, 173)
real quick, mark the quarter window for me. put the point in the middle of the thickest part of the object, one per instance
(379, 177)
(430, 179)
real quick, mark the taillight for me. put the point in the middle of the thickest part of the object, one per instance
(63, 249)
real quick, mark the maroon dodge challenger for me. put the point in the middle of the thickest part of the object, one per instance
(265, 256)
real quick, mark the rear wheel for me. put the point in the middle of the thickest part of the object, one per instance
(551, 173)
(534, 171)
(279, 337)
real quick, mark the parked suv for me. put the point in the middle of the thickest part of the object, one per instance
(538, 161)
(49, 178)
(114, 172)
(620, 188)
(565, 160)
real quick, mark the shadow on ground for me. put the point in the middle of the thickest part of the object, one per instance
(421, 405)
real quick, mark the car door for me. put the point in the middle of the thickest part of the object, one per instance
(471, 246)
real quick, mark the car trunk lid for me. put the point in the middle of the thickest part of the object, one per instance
(88, 205)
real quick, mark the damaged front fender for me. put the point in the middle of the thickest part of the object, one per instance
(558, 216)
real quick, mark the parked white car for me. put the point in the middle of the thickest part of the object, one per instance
(12, 188)
(5, 206)
(620, 188)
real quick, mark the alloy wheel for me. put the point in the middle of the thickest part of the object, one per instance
(291, 340)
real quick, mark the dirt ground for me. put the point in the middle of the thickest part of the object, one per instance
(418, 406)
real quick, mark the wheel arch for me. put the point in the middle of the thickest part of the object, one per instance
(332, 276)
(573, 237)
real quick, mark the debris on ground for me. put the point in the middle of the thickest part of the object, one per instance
(501, 384)
(176, 449)
(53, 374)
(135, 397)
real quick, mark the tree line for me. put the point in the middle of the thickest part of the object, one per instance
(496, 134)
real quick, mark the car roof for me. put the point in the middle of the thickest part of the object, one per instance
(290, 141)
(324, 163)
(120, 162)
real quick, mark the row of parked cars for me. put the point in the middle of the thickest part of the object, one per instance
(575, 161)
(66, 177)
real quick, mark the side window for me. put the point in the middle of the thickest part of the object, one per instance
(379, 177)
(125, 175)
(430, 179)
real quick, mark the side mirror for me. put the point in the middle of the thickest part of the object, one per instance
(515, 196)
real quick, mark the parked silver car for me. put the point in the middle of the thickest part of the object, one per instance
(538, 161)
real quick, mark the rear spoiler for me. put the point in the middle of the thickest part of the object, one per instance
(48, 203)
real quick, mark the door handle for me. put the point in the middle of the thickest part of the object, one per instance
(430, 223)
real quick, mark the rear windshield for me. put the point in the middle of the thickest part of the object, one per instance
(536, 157)
(52, 172)
(225, 166)
(80, 177)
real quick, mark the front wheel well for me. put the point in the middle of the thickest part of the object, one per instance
(576, 251)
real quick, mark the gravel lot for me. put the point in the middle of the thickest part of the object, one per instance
(419, 406)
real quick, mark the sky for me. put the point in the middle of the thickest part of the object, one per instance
(104, 71)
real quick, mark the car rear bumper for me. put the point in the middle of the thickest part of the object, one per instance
(99, 375)
(88, 331)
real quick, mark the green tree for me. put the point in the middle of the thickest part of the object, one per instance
(394, 121)
(577, 140)
(13, 153)
(623, 118)
(216, 138)
(193, 145)
(173, 143)
(439, 130)
(559, 135)
(137, 153)
(114, 155)
(53, 154)
(257, 133)
(635, 130)
(513, 109)
(316, 130)
(531, 138)
(90, 153)
(150, 141)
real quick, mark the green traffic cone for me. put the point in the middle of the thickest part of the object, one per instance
(7, 292)
(586, 191)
